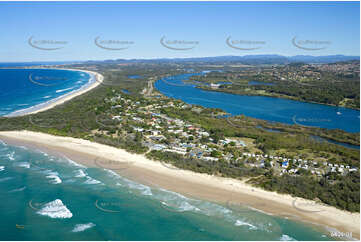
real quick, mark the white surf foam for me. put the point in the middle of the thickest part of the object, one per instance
(44, 154)
(23, 164)
(185, 206)
(74, 163)
(53, 176)
(145, 190)
(91, 181)
(63, 90)
(54, 179)
(242, 223)
(181, 206)
(113, 173)
(82, 227)
(286, 237)
(178, 203)
(11, 155)
(80, 173)
(182, 203)
(2, 168)
(55, 209)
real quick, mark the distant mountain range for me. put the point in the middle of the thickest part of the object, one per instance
(35, 63)
(247, 59)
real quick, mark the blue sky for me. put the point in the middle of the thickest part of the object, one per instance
(273, 25)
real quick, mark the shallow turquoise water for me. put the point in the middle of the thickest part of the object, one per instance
(266, 108)
(53, 198)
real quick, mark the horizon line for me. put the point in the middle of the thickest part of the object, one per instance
(174, 58)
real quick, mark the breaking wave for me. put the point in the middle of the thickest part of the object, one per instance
(286, 237)
(242, 223)
(23, 164)
(54, 179)
(82, 227)
(91, 181)
(11, 155)
(55, 209)
(80, 173)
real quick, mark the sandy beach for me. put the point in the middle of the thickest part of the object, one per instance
(223, 190)
(98, 78)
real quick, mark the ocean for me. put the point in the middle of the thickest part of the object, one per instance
(266, 108)
(35, 63)
(24, 89)
(47, 197)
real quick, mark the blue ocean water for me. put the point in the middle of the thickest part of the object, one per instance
(266, 108)
(45, 197)
(24, 88)
(23, 64)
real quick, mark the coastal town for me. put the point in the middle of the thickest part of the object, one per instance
(145, 120)
(297, 81)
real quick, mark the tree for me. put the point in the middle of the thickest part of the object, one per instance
(216, 153)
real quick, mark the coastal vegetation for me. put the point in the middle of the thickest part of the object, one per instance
(124, 113)
(343, 194)
(336, 84)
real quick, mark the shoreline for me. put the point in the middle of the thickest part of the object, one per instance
(94, 80)
(226, 191)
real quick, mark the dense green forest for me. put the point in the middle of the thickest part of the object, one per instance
(319, 92)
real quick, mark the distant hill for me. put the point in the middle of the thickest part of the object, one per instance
(35, 63)
(247, 59)
(322, 59)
